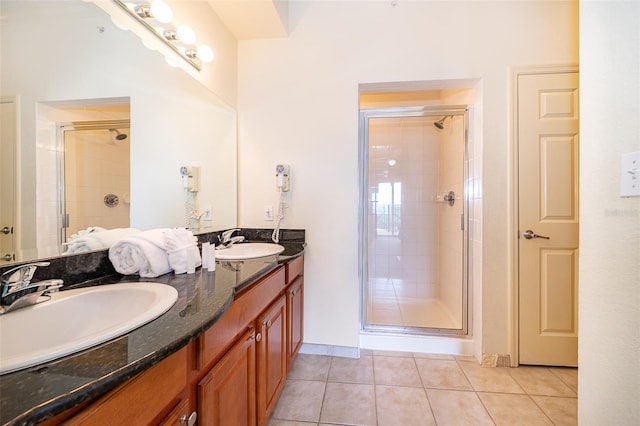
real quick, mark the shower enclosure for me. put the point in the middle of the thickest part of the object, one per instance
(94, 176)
(414, 220)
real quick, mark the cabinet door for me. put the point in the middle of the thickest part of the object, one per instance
(226, 395)
(295, 318)
(272, 357)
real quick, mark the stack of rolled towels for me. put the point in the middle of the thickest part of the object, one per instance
(156, 252)
(96, 238)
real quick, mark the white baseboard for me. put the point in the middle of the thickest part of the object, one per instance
(340, 351)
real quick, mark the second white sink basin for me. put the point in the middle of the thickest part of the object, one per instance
(244, 251)
(74, 320)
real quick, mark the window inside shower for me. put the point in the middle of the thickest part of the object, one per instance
(414, 219)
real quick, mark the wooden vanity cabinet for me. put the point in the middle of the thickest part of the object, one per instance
(231, 375)
(239, 389)
(271, 339)
(295, 308)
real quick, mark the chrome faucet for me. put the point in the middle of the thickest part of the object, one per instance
(17, 290)
(227, 240)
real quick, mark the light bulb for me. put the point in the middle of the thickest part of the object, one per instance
(205, 53)
(185, 34)
(161, 11)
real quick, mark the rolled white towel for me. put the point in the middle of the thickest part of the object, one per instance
(96, 238)
(182, 250)
(143, 253)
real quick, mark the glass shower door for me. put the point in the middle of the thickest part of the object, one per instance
(414, 251)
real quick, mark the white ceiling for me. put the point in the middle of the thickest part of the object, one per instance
(252, 19)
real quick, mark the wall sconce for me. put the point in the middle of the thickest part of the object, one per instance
(156, 16)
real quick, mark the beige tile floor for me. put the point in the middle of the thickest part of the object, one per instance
(406, 389)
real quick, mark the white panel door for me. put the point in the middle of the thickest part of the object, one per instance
(7, 178)
(548, 148)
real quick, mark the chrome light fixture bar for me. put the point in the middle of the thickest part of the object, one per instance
(179, 38)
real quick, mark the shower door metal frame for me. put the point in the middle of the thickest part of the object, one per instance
(363, 168)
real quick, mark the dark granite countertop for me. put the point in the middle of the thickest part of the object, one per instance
(32, 395)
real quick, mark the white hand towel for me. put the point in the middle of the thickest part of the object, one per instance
(144, 254)
(96, 238)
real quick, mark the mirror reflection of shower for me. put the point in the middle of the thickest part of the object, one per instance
(96, 164)
(118, 136)
(415, 239)
(440, 123)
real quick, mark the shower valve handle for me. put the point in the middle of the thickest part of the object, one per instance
(529, 234)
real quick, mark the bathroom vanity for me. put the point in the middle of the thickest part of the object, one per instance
(220, 354)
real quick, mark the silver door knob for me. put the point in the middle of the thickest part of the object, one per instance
(529, 234)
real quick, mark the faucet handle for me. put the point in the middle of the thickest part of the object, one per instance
(226, 235)
(21, 274)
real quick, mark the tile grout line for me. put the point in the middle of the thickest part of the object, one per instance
(424, 389)
(458, 363)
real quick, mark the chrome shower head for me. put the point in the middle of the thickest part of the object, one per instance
(440, 123)
(119, 136)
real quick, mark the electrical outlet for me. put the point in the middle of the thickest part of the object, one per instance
(207, 214)
(268, 213)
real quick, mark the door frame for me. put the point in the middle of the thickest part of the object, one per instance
(514, 290)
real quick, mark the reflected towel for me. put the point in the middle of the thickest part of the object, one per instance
(96, 238)
(182, 250)
(144, 254)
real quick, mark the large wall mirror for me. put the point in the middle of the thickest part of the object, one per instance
(67, 68)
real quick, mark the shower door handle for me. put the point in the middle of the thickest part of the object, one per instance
(529, 234)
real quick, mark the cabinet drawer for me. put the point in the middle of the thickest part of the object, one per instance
(295, 268)
(142, 400)
(213, 342)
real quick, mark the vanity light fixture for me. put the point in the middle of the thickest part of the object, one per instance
(205, 53)
(161, 11)
(180, 38)
(185, 34)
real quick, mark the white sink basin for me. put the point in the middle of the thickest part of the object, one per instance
(244, 251)
(74, 320)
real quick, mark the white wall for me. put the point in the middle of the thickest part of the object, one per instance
(609, 345)
(298, 103)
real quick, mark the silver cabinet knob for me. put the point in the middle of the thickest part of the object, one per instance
(189, 420)
(529, 234)
(6, 230)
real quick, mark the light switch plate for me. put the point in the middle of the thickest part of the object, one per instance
(630, 175)
(268, 213)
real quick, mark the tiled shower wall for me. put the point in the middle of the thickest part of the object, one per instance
(425, 252)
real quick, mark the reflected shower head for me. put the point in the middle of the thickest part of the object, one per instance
(440, 123)
(119, 136)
